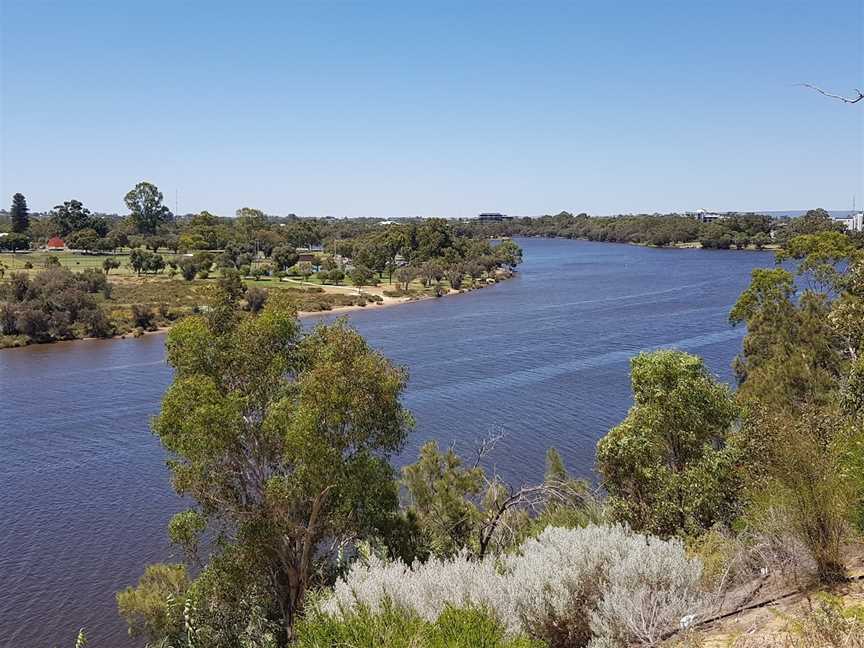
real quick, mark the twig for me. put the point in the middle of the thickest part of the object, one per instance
(835, 96)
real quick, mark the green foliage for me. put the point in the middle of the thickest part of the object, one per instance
(458, 508)
(666, 467)
(188, 268)
(109, 264)
(805, 465)
(305, 269)
(362, 276)
(14, 242)
(142, 316)
(789, 354)
(147, 212)
(441, 489)
(73, 216)
(467, 627)
(85, 239)
(56, 304)
(19, 214)
(455, 276)
(152, 608)
(823, 257)
(250, 221)
(284, 256)
(508, 253)
(309, 421)
(813, 222)
(141, 260)
(185, 529)
(256, 298)
(801, 441)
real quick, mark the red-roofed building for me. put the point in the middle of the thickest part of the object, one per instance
(56, 243)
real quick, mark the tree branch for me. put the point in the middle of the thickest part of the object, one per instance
(835, 96)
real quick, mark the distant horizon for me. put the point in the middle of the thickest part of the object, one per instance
(771, 212)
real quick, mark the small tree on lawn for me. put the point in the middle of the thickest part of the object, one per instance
(109, 264)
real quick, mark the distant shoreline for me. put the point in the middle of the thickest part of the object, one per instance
(688, 245)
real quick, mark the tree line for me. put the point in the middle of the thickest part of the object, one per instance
(733, 230)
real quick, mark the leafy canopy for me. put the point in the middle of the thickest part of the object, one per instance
(665, 466)
(281, 439)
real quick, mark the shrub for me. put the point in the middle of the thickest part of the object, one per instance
(143, 607)
(94, 280)
(809, 483)
(97, 324)
(142, 316)
(395, 627)
(567, 586)
(188, 268)
(49, 306)
(455, 276)
(255, 298)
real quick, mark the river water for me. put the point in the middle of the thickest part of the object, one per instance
(542, 358)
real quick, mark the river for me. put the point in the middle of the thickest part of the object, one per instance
(542, 358)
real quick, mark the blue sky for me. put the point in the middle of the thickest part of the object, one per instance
(432, 108)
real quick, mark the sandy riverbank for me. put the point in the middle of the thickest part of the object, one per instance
(386, 302)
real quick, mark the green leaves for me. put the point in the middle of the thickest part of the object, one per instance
(665, 466)
(282, 440)
(144, 607)
(441, 490)
(144, 201)
(769, 289)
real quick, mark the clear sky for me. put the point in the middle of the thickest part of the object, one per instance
(390, 109)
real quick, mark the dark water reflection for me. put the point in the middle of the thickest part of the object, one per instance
(84, 493)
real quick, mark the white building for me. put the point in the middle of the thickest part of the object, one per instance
(853, 222)
(706, 216)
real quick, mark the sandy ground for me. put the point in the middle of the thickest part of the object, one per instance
(774, 604)
(347, 290)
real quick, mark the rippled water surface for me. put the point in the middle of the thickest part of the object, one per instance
(84, 493)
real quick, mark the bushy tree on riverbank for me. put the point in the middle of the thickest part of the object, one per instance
(666, 467)
(56, 304)
(282, 440)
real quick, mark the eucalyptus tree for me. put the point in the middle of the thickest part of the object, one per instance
(147, 212)
(282, 441)
(665, 466)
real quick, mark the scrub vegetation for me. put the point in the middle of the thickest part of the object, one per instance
(300, 530)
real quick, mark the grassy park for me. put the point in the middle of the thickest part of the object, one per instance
(133, 303)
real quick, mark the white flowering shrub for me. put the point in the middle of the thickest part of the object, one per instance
(648, 592)
(426, 588)
(600, 584)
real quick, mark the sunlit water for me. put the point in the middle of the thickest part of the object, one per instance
(84, 492)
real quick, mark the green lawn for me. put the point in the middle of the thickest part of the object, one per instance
(75, 261)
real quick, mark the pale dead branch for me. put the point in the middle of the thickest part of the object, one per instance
(848, 100)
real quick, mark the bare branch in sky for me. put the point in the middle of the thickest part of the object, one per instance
(835, 96)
